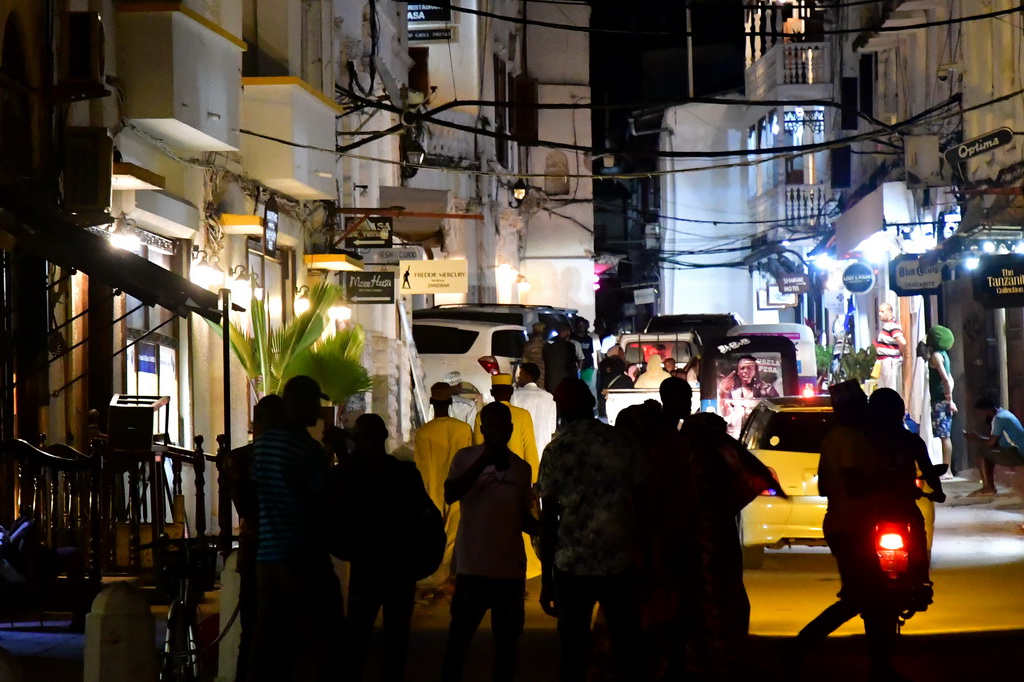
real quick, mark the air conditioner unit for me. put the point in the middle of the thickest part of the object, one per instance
(88, 169)
(80, 65)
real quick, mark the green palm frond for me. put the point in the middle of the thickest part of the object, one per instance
(334, 363)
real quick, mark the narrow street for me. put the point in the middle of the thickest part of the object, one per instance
(975, 628)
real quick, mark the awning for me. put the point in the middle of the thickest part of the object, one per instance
(891, 202)
(420, 201)
(59, 241)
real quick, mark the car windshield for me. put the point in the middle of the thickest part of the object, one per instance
(434, 340)
(791, 431)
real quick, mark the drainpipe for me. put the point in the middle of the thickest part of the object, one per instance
(1000, 329)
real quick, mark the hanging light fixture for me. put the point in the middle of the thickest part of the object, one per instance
(123, 237)
(519, 191)
(203, 272)
(302, 302)
(339, 313)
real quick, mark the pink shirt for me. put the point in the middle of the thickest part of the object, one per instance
(490, 540)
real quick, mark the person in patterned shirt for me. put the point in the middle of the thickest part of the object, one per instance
(891, 347)
(586, 483)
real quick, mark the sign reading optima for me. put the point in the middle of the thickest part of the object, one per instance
(999, 281)
(433, 277)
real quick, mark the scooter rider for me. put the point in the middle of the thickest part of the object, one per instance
(859, 480)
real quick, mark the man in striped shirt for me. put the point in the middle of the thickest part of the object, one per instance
(891, 347)
(299, 609)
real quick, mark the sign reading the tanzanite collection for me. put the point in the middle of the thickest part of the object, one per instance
(911, 275)
(858, 277)
(999, 281)
(369, 287)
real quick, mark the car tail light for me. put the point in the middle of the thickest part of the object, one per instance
(490, 364)
(808, 391)
(769, 492)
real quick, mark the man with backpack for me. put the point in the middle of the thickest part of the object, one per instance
(386, 509)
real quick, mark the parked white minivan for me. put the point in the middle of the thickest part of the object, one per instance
(475, 349)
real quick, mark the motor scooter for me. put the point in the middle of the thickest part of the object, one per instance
(904, 561)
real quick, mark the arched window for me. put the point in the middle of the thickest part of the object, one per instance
(556, 168)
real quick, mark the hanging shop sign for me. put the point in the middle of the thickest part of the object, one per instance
(434, 277)
(834, 301)
(858, 277)
(999, 281)
(911, 275)
(419, 13)
(390, 256)
(367, 232)
(645, 296)
(957, 154)
(369, 287)
(433, 35)
(793, 284)
(271, 218)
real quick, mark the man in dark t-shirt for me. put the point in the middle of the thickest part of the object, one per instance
(559, 359)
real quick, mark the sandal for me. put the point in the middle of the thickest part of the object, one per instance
(981, 492)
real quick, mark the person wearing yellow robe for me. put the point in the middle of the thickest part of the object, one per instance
(436, 443)
(522, 443)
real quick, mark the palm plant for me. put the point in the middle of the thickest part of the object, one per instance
(270, 357)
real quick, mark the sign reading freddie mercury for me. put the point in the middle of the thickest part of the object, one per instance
(999, 281)
(433, 277)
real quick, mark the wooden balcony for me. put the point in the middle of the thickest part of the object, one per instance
(796, 205)
(794, 71)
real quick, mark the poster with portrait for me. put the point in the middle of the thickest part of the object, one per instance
(739, 372)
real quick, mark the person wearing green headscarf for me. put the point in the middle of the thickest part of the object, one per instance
(938, 340)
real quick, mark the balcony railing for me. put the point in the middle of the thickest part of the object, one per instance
(796, 205)
(788, 64)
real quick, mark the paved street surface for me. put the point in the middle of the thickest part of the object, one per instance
(975, 629)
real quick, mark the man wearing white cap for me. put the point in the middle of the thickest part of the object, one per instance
(463, 408)
(437, 441)
(538, 402)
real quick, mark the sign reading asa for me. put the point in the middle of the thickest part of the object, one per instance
(910, 275)
(434, 277)
(858, 277)
(367, 232)
(957, 154)
(369, 287)
(421, 13)
(999, 281)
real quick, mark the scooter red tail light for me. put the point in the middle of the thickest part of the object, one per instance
(891, 546)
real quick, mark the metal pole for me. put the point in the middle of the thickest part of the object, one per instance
(223, 499)
(1001, 350)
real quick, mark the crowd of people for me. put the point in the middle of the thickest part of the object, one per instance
(636, 519)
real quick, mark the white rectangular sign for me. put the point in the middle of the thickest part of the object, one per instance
(433, 277)
(390, 256)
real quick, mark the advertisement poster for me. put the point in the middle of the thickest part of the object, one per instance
(743, 380)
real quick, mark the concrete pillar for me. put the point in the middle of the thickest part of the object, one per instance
(120, 637)
(10, 671)
(227, 653)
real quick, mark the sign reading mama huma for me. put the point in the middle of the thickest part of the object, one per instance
(999, 281)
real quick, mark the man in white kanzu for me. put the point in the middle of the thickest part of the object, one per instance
(891, 347)
(538, 402)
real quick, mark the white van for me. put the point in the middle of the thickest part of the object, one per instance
(802, 338)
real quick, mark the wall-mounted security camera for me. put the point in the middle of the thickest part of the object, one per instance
(946, 71)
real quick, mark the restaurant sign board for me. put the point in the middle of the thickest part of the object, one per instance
(912, 274)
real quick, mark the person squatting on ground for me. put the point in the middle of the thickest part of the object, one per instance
(1001, 445)
(299, 613)
(493, 486)
(382, 496)
(587, 480)
(436, 443)
(267, 415)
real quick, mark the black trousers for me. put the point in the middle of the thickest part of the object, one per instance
(371, 589)
(576, 597)
(474, 596)
(862, 580)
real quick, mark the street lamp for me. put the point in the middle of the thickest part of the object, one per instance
(125, 238)
(302, 302)
(203, 272)
(519, 191)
